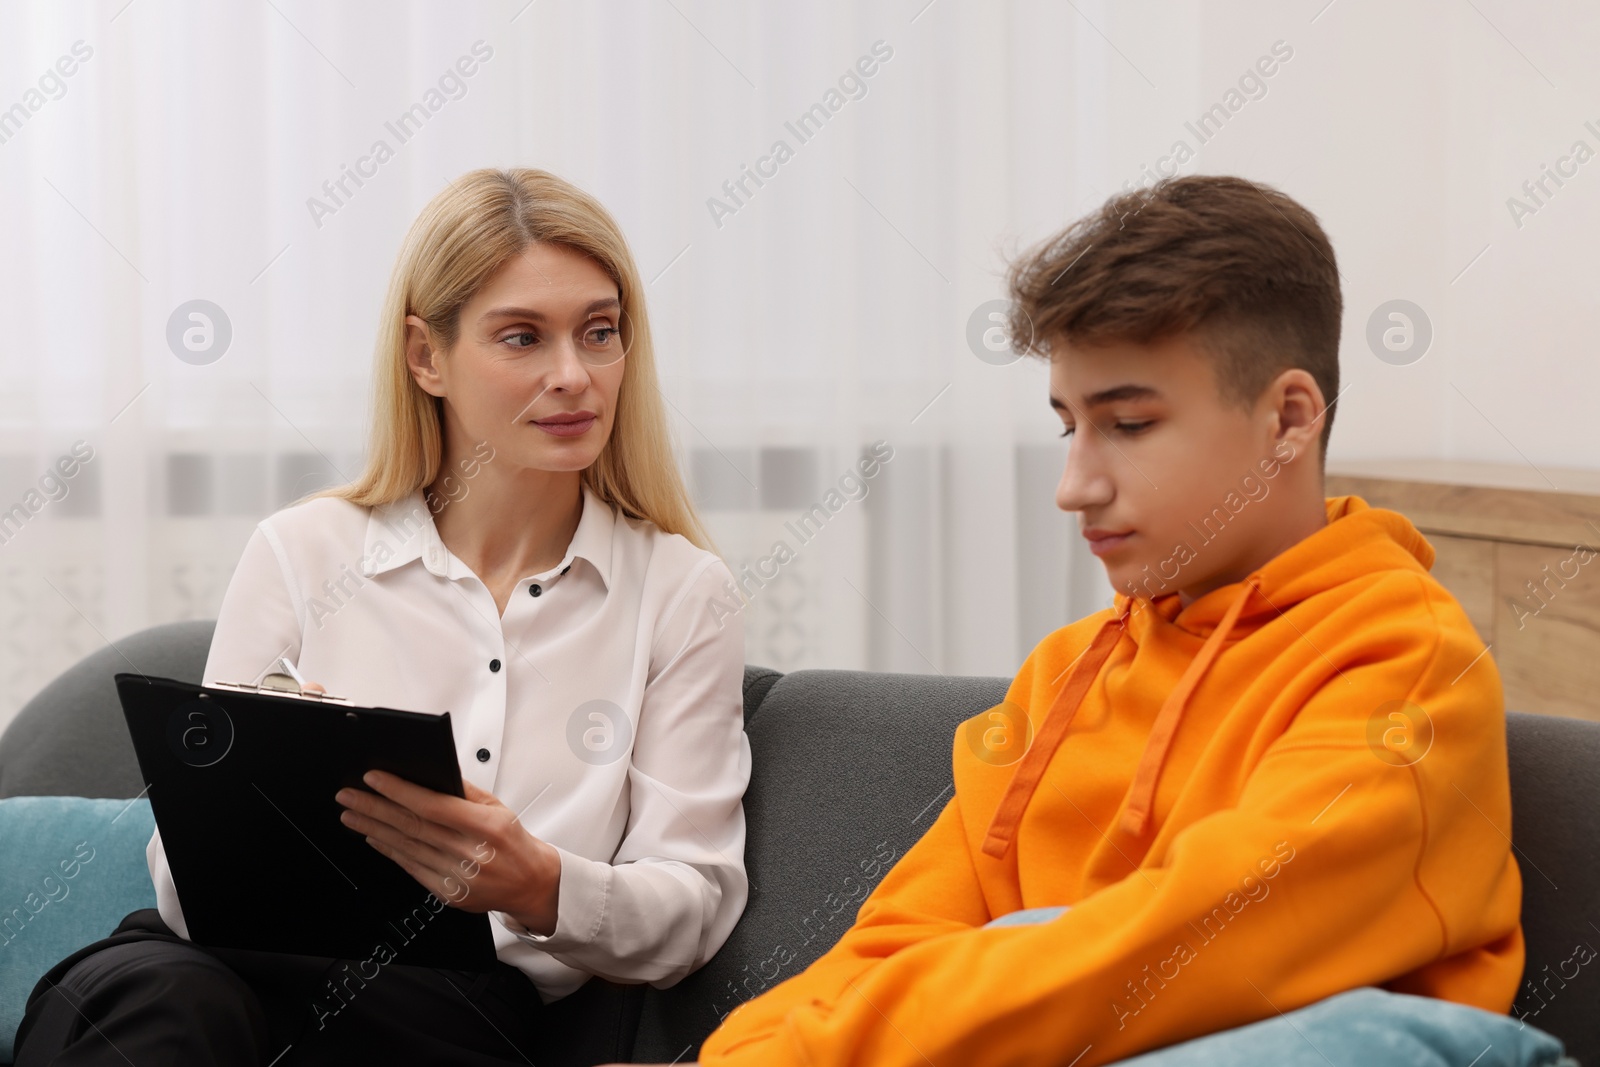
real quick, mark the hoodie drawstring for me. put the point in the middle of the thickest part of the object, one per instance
(1141, 795)
(1051, 732)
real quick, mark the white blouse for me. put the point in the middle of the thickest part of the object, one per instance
(605, 707)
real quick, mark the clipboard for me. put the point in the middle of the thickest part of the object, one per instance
(241, 780)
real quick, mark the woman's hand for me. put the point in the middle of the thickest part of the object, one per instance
(471, 853)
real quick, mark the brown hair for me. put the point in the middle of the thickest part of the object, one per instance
(468, 231)
(1240, 265)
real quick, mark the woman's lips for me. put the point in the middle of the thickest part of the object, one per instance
(1102, 546)
(566, 429)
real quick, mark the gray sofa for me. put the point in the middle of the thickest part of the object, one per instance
(850, 768)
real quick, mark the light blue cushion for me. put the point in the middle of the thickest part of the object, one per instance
(1374, 1027)
(72, 869)
(1028, 916)
(1361, 1026)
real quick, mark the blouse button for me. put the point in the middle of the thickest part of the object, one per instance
(483, 755)
(534, 590)
(494, 665)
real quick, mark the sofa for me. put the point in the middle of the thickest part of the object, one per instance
(850, 768)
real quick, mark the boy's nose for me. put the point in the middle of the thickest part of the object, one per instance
(1080, 487)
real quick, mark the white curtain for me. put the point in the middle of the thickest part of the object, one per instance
(162, 152)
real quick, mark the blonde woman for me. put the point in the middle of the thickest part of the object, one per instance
(520, 551)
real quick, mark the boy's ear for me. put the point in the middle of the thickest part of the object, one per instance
(1300, 409)
(421, 356)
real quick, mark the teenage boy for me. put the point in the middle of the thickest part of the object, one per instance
(1274, 771)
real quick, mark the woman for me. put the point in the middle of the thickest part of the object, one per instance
(521, 552)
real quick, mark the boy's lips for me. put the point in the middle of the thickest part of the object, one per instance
(1102, 542)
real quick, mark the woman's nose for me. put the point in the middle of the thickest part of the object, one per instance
(566, 370)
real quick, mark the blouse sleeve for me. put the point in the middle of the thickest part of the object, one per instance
(677, 885)
(259, 621)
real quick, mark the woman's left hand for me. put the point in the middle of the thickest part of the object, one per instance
(470, 852)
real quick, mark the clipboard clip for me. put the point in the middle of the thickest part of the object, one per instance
(282, 679)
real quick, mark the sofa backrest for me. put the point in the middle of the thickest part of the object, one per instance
(1555, 830)
(71, 739)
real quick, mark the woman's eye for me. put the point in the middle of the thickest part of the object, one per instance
(1067, 432)
(600, 336)
(1134, 427)
(525, 335)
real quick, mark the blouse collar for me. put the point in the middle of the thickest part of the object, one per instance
(403, 532)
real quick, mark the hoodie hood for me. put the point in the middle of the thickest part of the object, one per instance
(1359, 540)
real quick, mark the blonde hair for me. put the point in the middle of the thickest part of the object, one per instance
(460, 240)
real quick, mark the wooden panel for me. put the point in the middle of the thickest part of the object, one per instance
(1465, 567)
(1548, 518)
(1474, 475)
(1547, 636)
(1508, 540)
(1507, 502)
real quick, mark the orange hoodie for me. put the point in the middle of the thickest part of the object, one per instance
(1292, 787)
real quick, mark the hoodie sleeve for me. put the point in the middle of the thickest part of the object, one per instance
(933, 891)
(1337, 867)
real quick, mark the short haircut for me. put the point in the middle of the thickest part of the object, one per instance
(1240, 266)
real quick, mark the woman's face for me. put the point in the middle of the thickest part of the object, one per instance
(539, 343)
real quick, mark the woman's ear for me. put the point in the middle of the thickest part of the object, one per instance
(422, 357)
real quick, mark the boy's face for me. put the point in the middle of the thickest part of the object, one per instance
(1178, 488)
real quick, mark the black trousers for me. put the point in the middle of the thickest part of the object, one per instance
(146, 996)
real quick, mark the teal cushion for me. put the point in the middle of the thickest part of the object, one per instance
(1372, 1026)
(1029, 916)
(73, 868)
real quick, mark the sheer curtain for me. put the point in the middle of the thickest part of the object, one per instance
(822, 198)
(209, 154)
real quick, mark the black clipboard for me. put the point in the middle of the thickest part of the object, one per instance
(242, 780)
